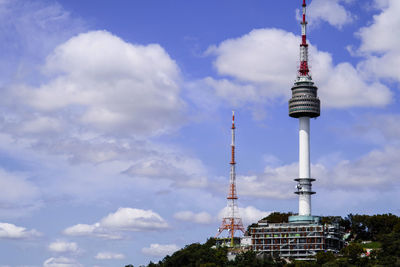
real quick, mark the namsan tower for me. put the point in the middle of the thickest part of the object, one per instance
(304, 105)
(232, 221)
(304, 235)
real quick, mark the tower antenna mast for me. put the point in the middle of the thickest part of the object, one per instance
(232, 221)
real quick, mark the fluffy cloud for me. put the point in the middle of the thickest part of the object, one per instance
(382, 128)
(380, 45)
(134, 220)
(109, 256)
(24, 194)
(251, 214)
(124, 219)
(261, 56)
(235, 92)
(189, 216)
(376, 170)
(62, 246)
(261, 61)
(95, 230)
(158, 250)
(275, 182)
(345, 87)
(61, 262)
(106, 83)
(182, 171)
(98, 91)
(101, 100)
(378, 37)
(248, 214)
(11, 231)
(330, 11)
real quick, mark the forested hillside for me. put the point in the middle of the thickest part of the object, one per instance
(381, 233)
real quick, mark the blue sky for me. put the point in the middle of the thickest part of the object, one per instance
(115, 120)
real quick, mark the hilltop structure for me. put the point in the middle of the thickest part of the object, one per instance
(303, 235)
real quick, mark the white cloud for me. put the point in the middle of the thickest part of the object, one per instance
(41, 125)
(330, 11)
(261, 56)
(234, 92)
(106, 83)
(129, 219)
(25, 26)
(135, 87)
(251, 214)
(109, 256)
(62, 246)
(124, 219)
(380, 4)
(261, 61)
(380, 45)
(24, 195)
(275, 182)
(345, 87)
(189, 216)
(378, 37)
(11, 231)
(61, 262)
(92, 81)
(95, 230)
(248, 214)
(183, 171)
(385, 127)
(159, 250)
(376, 170)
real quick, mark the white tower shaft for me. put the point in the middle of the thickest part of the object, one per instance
(304, 147)
(304, 166)
(304, 105)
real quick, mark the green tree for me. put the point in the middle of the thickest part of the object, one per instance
(358, 224)
(381, 224)
(353, 252)
(277, 217)
(250, 259)
(196, 255)
(324, 257)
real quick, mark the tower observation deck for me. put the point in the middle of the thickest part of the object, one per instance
(304, 101)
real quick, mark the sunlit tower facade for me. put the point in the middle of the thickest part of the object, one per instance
(232, 222)
(304, 105)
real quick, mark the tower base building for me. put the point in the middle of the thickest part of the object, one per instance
(300, 238)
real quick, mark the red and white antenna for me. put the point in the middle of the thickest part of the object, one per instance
(304, 70)
(232, 221)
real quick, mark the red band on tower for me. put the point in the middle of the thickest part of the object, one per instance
(303, 69)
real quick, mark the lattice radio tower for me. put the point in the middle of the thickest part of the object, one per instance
(232, 221)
